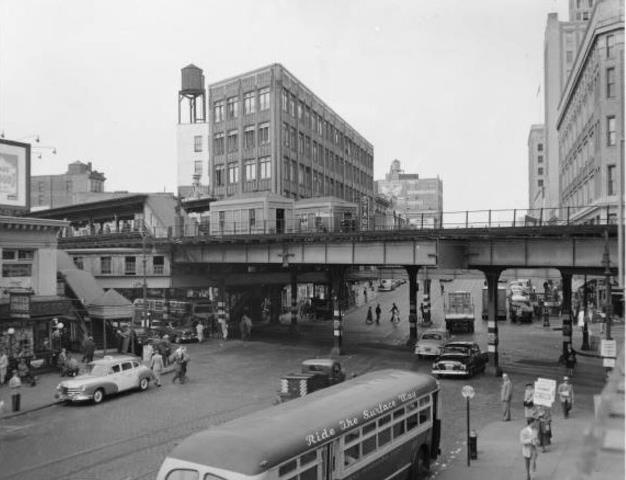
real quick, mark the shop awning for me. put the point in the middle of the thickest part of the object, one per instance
(110, 305)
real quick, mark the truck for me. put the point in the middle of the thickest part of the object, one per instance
(520, 308)
(500, 303)
(316, 373)
(459, 312)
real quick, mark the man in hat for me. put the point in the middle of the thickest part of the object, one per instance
(566, 396)
(506, 393)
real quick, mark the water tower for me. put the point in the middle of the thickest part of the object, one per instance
(192, 89)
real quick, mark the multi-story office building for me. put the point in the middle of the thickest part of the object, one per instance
(536, 167)
(590, 119)
(419, 200)
(562, 39)
(51, 191)
(192, 135)
(270, 133)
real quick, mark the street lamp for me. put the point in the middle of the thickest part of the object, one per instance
(468, 393)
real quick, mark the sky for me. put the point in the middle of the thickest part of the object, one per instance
(448, 87)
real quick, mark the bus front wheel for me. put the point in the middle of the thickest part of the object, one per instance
(420, 469)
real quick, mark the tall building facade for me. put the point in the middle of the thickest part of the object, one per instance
(51, 191)
(270, 133)
(562, 39)
(417, 199)
(192, 135)
(536, 167)
(590, 120)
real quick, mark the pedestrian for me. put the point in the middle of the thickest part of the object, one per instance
(24, 373)
(89, 348)
(369, 319)
(543, 415)
(15, 384)
(224, 324)
(200, 332)
(529, 393)
(378, 312)
(177, 359)
(365, 294)
(506, 393)
(570, 360)
(528, 439)
(71, 367)
(394, 314)
(156, 364)
(566, 396)
(4, 364)
(245, 325)
(61, 361)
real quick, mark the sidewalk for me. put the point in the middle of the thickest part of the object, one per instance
(500, 453)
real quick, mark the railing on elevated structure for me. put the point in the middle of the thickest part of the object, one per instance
(468, 219)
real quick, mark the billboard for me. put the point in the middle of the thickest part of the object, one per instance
(14, 177)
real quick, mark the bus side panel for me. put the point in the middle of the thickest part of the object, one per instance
(436, 436)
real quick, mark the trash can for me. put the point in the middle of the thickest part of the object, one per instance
(473, 445)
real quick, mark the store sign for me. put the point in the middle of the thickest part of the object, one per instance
(19, 305)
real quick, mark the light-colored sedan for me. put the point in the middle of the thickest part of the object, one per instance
(106, 376)
(430, 343)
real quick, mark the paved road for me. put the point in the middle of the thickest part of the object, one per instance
(128, 436)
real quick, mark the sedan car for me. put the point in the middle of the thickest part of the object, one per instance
(430, 343)
(106, 376)
(463, 359)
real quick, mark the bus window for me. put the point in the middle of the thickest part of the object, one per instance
(398, 429)
(310, 474)
(352, 436)
(287, 467)
(369, 427)
(411, 421)
(369, 445)
(384, 420)
(180, 474)
(308, 457)
(398, 413)
(351, 455)
(424, 415)
(384, 437)
(424, 401)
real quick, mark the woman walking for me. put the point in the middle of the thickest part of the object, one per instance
(370, 317)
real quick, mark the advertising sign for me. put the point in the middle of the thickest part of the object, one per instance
(545, 391)
(14, 176)
(608, 352)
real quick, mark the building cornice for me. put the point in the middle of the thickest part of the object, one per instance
(23, 223)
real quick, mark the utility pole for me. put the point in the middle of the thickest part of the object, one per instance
(606, 263)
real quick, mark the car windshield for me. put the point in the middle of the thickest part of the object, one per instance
(97, 370)
(431, 336)
(456, 349)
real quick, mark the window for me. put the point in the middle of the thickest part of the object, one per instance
(232, 145)
(233, 173)
(301, 175)
(264, 134)
(424, 415)
(610, 82)
(585, 15)
(232, 107)
(610, 45)
(105, 265)
(158, 264)
(284, 100)
(265, 168)
(17, 263)
(540, 159)
(219, 175)
(130, 265)
(218, 144)
(248, 138)
(301, 143)
(611, 138)
(249, 104)
(569, 56)
(197, 168)
(285, 132)
(610, 180)
(540, 182)
(540, 147)
(540, 171)
(40, 186)
(300, 110)
(127, 366)
(68, 186)
(218, 111)
(252, 218)
(197, 143)
(292, 106)
(250, 170)
(264, 99)
(78, 261)
(293, 139)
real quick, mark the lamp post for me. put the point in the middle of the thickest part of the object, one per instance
(468, 393)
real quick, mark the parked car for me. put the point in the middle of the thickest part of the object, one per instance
(106, 376)
(460, 359)
(430, 343)
(177, 334)
(315, 374)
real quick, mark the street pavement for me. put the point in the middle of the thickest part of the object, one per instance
(128, 436)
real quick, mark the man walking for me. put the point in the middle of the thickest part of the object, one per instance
(15, 384)
(566, 396)
(506, 392)
(528, 439)
(89, 349)
(378, 312)
(156, 364)
(200, 332)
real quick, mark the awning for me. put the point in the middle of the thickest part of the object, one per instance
(110, 305)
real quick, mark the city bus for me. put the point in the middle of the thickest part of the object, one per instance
(381, 425)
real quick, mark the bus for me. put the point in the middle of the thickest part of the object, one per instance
(381, 425)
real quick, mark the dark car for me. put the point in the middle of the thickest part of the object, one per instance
(463, 359)
(176, 334)
(316, 374)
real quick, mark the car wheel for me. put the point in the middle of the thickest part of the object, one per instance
(421, 466)
(143, 384)
(98, 396)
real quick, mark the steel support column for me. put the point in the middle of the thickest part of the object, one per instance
(293, 277)
(585, 344)
(413, 286)
(492, 323)
(566, 309)
(336, 274)
(426, 300)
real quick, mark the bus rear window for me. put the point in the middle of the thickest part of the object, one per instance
(287, 467)
(185, 474)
